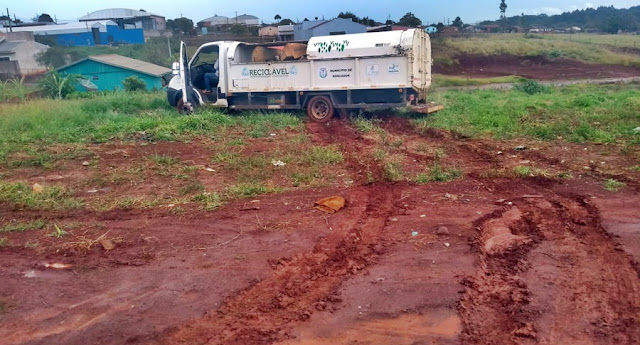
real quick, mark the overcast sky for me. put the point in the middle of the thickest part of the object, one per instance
(427, 10)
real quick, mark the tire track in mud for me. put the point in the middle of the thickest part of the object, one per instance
(550, 274)
(267, 311)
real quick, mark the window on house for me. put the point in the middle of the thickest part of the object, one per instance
(337, 33)
(4, 58)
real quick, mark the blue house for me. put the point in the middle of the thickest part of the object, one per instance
(338, 26)
(431, 29)
(107, 72)
(102, 32)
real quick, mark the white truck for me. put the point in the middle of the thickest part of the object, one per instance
(332, 74)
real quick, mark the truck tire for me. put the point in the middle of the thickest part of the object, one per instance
(320, 109)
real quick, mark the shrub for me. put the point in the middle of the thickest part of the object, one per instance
(529, 86)
(54, 85)
(134, 83)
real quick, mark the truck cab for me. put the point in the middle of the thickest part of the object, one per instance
(188, 88)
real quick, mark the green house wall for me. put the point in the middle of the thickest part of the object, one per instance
(107, 77)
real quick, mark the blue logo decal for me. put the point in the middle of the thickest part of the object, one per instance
(323, 73)
(245, 72)
(293, 70)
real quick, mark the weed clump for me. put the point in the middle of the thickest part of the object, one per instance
(529, 86)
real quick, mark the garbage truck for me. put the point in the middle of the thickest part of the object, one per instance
(324, 76)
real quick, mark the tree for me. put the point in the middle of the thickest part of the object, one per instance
(44, 18)
(389, 22)
(503, 9)
(440, 26)
(306, 20)
(503, 13)
(183, 25)
(238, 29)
(349, 15)
(286, 21)
(457, 23)
(277, 18)
(409, 19)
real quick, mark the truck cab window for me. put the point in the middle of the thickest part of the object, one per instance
(204, 63)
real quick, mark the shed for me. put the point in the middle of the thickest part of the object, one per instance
(108, 71)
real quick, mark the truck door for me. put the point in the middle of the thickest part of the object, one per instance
(185, 76)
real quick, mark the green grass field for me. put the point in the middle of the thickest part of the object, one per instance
(580, 113)
(600, 49)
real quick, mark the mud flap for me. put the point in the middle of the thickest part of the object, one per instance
(426, 108)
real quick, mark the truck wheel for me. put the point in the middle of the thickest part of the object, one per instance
(320, 109)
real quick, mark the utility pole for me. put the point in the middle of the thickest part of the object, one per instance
(236, 17)
(9, 17)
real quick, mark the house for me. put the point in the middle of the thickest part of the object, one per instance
(450, 31)
(18, 52)
(86, 33)
(107, 72)
(285, 32)
(305, 30)
(151, 24)
(268, 31)
(222, 23)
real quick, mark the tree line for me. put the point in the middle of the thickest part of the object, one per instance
(604, 19)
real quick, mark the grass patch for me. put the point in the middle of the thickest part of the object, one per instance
(22, 196)
(364, 125)
(209, 201)
(525, 171)
(4, 242)
(15, 226)
(579, 113)
(438, 173)
(250, 190)
(613, 185)
(393, 170)
(441, 80)
(164, 160)
(324, 155)
(192, 187)
(39, 124)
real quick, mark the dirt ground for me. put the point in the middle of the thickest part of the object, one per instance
(534, 67)
(488, 259)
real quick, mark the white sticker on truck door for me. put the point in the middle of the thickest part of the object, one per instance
(373, 69)
(394, 68)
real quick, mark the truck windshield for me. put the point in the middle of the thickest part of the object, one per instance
(207, 56)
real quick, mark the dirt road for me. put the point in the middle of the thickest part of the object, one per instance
(488, 259)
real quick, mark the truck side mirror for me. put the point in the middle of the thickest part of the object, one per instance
(175, 68)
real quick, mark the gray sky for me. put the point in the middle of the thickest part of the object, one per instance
(427, 10)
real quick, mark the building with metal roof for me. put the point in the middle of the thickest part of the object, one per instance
(123, 16)
(89, 33)
(217, 21)
(108, 72)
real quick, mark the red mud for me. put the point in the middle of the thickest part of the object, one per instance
(482, 260)
(536, 67)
